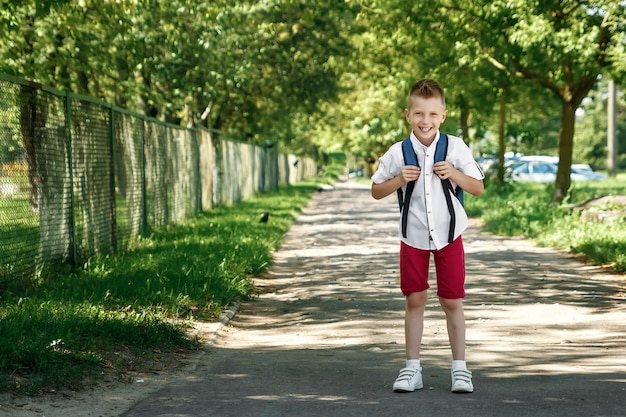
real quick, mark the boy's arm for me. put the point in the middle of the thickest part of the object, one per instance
(470, 184)
(382, 190)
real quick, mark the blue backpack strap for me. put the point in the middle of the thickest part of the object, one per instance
(441, 152)
(442, 148)
(403, 201)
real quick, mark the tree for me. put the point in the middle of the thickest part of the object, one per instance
(563, 46)
(248, 66)
(277, 61)
(559, 46)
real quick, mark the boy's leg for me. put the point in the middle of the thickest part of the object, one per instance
(450, 266)
(455, 320)
(410, 377)
(414, 284)
(414, 323)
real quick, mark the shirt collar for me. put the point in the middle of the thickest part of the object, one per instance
(417, 143)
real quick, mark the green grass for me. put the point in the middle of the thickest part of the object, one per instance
(526, 209)
(122, 313)
(69, 327)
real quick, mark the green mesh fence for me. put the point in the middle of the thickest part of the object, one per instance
(80, 178)
(94, 194)
(130, 192)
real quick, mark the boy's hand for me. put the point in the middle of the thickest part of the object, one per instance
(444, 170)
(410, 173)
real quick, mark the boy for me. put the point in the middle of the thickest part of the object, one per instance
(428, 225)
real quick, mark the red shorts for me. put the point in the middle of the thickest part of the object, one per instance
(449, 267)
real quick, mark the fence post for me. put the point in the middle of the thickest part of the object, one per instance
(113, 203)
(144, 184)
(70, 162)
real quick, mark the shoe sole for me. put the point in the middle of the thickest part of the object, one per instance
(404, 391)
(463, 390)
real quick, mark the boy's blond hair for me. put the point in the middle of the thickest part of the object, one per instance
(426, 88)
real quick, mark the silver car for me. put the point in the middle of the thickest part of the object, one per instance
(543, 169)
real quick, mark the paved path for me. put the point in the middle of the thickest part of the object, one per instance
(546, 334)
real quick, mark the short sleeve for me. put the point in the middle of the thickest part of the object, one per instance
(390, 164)
(463, 160)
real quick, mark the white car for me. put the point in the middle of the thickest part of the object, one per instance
(543, 169)
(7, 187)
(586, 171)
(533, 171)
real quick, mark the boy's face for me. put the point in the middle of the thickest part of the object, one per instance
(425, 116)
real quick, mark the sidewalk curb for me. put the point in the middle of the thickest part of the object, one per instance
(205, 347)
(228, 316)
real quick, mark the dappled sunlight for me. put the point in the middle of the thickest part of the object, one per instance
(325, 333)
(540, 311)
(343, 250)
(337, 285)
(297, 397)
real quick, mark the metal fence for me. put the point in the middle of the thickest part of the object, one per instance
(80, 177)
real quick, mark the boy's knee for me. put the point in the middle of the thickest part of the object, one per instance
(451, 304)
(416, 300)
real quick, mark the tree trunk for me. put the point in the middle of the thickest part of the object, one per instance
(566, 145)
(465, 112)
(502, 132)
(28, 127)
(46, 155)
(611, 130)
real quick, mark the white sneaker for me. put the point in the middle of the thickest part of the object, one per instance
(462, 381)
(409, 380)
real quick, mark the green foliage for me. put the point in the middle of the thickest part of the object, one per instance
(540, 59)
(334, 167)
(590, 145)
(321, 76)
(525, 209)
(69, 325)
(247, 66)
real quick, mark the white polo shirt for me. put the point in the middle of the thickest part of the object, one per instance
(428, 217)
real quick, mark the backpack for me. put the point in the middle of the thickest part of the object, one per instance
(441, 151)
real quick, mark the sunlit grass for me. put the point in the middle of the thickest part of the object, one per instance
(526, 209)
(69, 325)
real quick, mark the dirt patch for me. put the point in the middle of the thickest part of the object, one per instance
(112, 394)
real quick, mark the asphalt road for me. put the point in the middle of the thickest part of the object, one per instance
(546, 333)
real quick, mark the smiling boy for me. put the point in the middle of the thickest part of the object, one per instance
(428, 224)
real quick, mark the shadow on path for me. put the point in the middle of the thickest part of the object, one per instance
(325, 336)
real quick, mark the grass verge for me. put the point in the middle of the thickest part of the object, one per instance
(122, 312)
(526, 209)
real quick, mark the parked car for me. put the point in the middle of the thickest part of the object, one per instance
(543, 169)
(586, 171)
(7, 187)
(533, 169)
